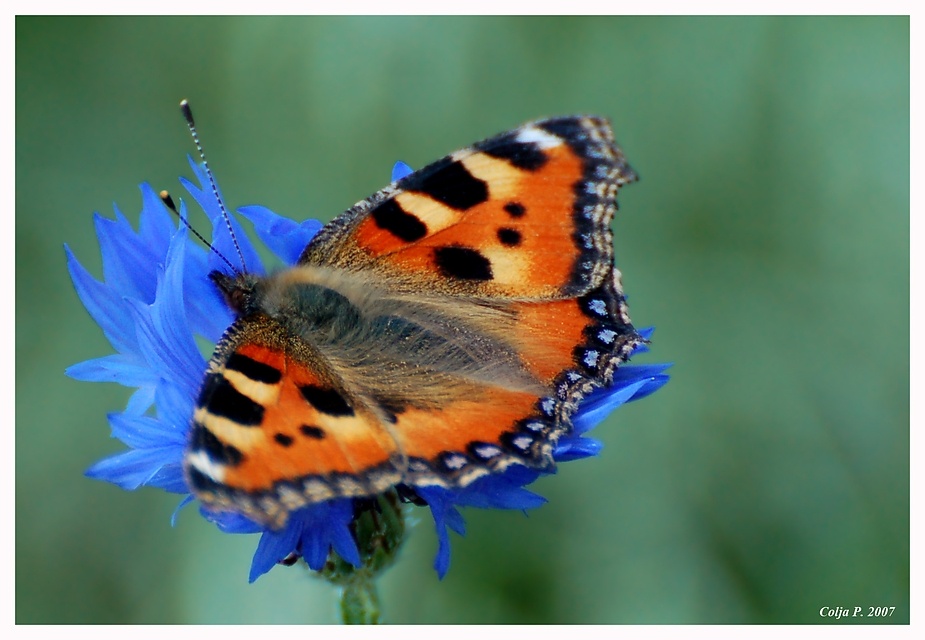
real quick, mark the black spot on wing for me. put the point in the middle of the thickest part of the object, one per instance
(449, 182)
(509, 237)
(462, 263)
(310, 431)
(201, 439)
(390, 217)
(253, 369)
(326, 400)
(523, 155)
(515, 209)
(221, 399)
(283, 440)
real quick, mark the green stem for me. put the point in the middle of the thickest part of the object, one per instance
(359, 603)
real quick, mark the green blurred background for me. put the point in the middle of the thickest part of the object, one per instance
(768, 241)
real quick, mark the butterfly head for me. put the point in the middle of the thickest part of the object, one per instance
(240, 291)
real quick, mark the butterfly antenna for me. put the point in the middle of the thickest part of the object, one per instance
(191, 124)
(168, 202)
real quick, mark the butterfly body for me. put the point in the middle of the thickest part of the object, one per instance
(440, 331)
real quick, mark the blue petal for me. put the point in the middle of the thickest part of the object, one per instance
(501, 496)
(128, 257)
(132, 469)
(442, 559)
(121, 259)
(144, 432)
(141, 401)
(156, 223)
(176, 512)
(630, 382)
(105, 305)
(600, 404)
(175, 406)
(651, 386)
(169, 478)
(329, 525)
(163, 334)
(325, 525)
(629, 373)
(127, 370)
(311, 531)
(285, 237)
(168, 314)
(230, 521)
(273, 547)
(400, 170)
(503, 491)
(569, 449)
(644, 347)
(445, 515)
(646, 332)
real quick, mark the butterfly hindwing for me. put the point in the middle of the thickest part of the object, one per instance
(272, 432)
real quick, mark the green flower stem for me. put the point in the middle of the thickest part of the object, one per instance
(359, 603)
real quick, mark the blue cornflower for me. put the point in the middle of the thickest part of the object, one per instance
(156, 299)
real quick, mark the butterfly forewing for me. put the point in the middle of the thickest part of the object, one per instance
(522, 215)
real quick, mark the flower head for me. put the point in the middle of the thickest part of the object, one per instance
(156, 299)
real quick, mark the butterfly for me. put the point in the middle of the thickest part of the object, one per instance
(442, 330)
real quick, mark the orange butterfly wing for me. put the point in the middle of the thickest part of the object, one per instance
(522, 215)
